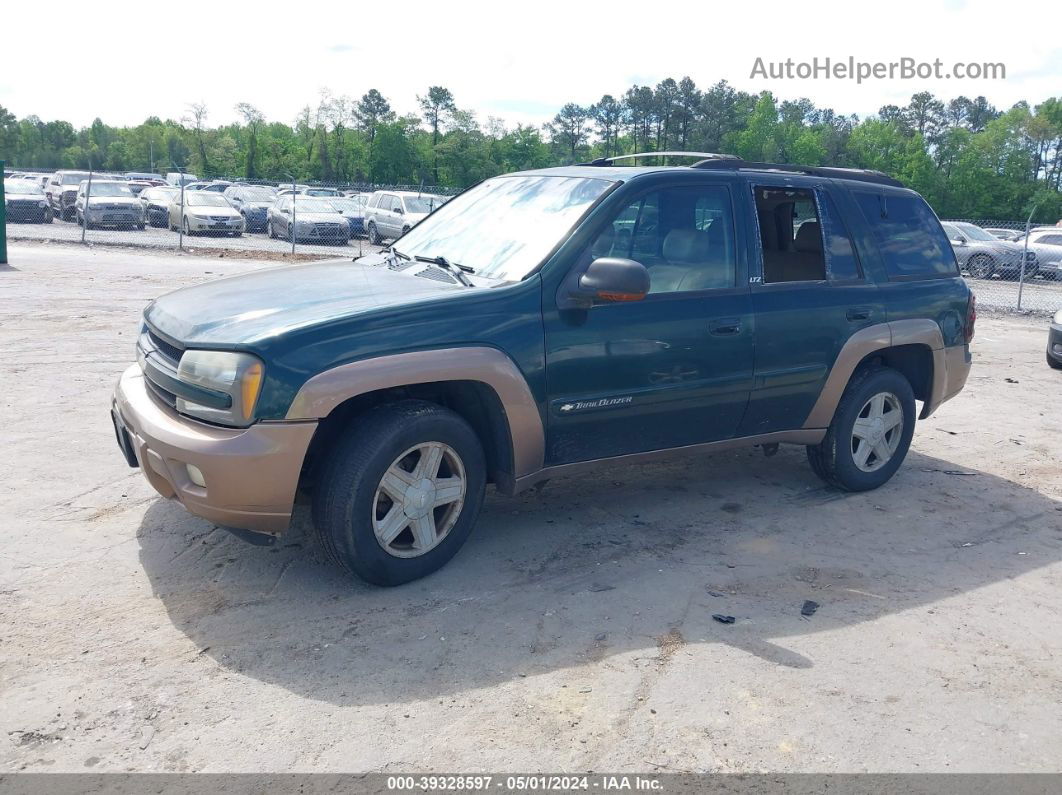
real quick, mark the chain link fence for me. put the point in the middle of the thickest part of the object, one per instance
(311, 219)
(1007, 268)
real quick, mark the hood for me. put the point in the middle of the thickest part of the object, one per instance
(199, 209)
(114, 200)
(252, 307)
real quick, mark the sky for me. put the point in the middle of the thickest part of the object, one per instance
(516, 61)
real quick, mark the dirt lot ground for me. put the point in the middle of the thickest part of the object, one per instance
(573, 632)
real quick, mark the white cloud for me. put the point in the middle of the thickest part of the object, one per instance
(520, 63)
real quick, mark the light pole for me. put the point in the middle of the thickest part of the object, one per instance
(85, 210)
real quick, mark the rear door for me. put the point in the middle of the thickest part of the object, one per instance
(809, 295)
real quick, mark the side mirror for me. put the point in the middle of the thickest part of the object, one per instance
(610, 280)
(400, 211)
(958, 241)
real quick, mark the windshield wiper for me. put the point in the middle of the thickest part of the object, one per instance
(456, 269)
(398, 253)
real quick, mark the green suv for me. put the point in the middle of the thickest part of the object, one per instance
(542, 323)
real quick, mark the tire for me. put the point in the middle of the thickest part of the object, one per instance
(291, 234)
(351, 504)
(1053, 363)
(187, 229)
(374, 236)
(835, 461)
(269, 229)
(140, 227)
(981, 266)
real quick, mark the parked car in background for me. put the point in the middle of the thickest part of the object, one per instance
(389, 214)
(287, 190)
(176, 178)
(206, 212)
(144, 176)
(1046, 241)
(1054, 342)
(108, 202)
(318, 191)
(137, 186)
(353, 209)
(252, 202)
(307, 218)
(156, 203)
(24, 202)
(61, 192)
(1004, 234)
(983, 255)
(218, 185)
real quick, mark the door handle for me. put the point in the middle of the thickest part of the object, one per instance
(859, 313)
(724, 326)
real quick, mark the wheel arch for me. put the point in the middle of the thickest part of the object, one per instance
(914, 347)
(482, 385)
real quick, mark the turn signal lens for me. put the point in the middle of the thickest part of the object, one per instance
(252, 382)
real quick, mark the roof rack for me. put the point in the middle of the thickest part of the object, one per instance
(605, 161)
(730, 163)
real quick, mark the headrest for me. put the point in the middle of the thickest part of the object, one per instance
(686, 246)
(808, 238)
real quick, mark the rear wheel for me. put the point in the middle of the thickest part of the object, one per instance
(400, 493)
(870, 433)
(374, 236)
(187, 228)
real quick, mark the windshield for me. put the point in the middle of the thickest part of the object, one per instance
(320, 192)
(976, 232)
(108, 189)
(74, 179)
(313, 205)
(22, 186)
(257, 195)
(504, 227)
(347, 205)
(205, 199)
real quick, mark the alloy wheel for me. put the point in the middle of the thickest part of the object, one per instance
(877, 432)
(419, 499)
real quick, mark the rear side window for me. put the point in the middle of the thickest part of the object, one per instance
(841, 260)
(909, 236)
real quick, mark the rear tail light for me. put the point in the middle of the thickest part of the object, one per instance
(971, 319)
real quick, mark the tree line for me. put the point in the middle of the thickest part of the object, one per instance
(968, 158)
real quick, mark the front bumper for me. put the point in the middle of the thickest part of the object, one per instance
(1054, 342)
(208, 225)
(251, 474)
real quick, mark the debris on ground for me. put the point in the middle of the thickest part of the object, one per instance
(723, 619)
(809, 607)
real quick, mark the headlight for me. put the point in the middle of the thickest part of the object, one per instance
(1058, 317)
(42, 205)
(238, 375)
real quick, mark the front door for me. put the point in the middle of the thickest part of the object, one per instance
(672, 369)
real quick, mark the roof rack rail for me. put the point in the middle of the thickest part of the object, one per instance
(730, 163)
(605, 161)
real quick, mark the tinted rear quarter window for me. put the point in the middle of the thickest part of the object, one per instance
(909, 237)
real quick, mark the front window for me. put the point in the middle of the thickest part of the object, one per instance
(108, 189)
(504, 227)
(257, 195)
(205, 199)
(74, 179)
(346, 205)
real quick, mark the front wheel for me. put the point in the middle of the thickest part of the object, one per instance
(187, 228)
(980, 266)
(374, 235)
(1053, 363)
(400, 493)
(870, 433)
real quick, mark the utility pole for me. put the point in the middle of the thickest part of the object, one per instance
(1024, 254)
